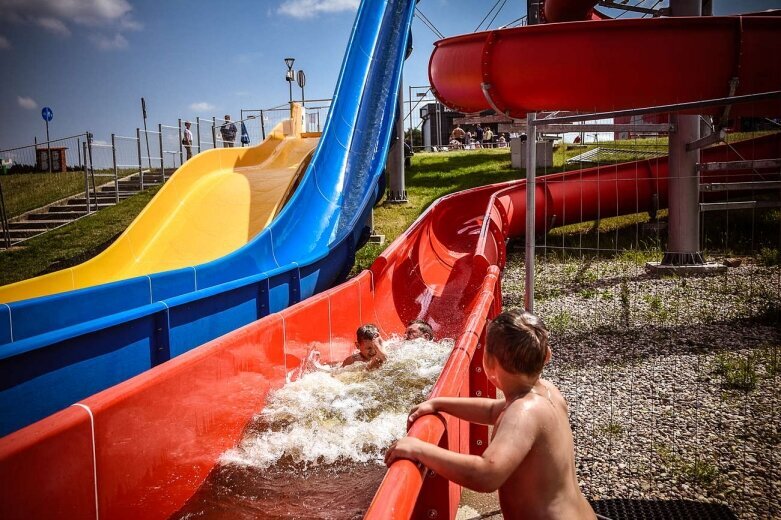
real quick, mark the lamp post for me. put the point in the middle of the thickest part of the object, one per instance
(290, 77)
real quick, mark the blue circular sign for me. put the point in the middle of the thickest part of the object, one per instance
(47, 114)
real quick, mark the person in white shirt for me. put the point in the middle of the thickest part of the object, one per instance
(187, 140)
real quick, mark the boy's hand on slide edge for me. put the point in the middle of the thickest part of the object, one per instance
(404, 448)
(419, 410)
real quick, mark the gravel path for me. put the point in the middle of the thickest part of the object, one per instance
(673, 383)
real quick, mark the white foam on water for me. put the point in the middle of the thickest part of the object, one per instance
(347, 414)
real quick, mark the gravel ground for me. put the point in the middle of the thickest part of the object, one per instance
(673, 383)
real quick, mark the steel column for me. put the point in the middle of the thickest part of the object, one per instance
(162, 155)
(531, 170)
(140, 161)
(116, 173)
(395, 166)
(683, 244)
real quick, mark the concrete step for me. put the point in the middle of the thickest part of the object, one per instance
(38, 224)
(17, 234)
(57, 215)
(102, 198)
(77, 208)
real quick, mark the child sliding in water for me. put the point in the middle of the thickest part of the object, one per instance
(530, 459)
(368, 345)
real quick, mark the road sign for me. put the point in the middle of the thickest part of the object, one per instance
(47, 114)
(301, 79)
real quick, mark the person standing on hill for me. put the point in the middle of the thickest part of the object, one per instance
(228, 132)
(187, 141)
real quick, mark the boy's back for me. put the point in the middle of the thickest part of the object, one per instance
(544, 485)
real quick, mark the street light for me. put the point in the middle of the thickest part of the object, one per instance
(290, 77)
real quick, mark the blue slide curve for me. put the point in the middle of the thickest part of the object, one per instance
(58, 349)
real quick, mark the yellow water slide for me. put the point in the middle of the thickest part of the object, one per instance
(212, 205)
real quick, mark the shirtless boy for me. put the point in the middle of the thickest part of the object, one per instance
(530, 459)
(369, 345)
(418, 329)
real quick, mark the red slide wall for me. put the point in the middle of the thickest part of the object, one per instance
(611, 65)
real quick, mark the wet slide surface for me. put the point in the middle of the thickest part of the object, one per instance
(212, 205)
(56, 350)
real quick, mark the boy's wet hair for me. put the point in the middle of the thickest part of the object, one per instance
(519, 342)
(368, 331)
(425, 328)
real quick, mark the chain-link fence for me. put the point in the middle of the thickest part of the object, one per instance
(31, 179)
(102, 173)
(672, 380)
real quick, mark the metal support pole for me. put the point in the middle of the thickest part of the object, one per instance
(140, 163)
(395, 167)
(531, 185)
(181, 146)
(48, 147)
(214, 132)
(86, 181)
(198, 132)
(683, 245)
(162, 155)
(92, 169)
(116, 172)
(262, 127)
(78, 151)
(683, 194)
(411, 139)
(439, 124)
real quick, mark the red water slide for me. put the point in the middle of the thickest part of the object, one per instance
(142, 448)
(595, 66)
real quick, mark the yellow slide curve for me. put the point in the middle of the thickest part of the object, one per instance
(212, 205)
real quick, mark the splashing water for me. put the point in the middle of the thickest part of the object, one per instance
(348, 414)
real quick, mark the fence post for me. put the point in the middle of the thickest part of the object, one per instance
(262, 127)
(86, 180)
(140, 162)
(78, 150)
(162, 155)
(198, 131)
(92, 168)
(116, 172)
(4, 219)
(181, 146)
(214, 132)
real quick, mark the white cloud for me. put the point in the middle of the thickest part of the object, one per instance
(202, 107)
(4, 43)
(54, 26)
(27, 103)
(311, 8)
(105, 43)
(59, 17)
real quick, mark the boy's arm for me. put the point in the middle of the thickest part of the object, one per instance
(477, 410)
(514, 438)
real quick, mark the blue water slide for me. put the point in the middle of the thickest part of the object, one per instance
(58, 349)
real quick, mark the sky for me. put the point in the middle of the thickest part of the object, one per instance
(92, 60)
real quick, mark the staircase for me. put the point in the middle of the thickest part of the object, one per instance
(65, 211)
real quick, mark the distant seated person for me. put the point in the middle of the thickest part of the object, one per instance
(419, 329)
(502, 141)
(454, 144)
(369, 347)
